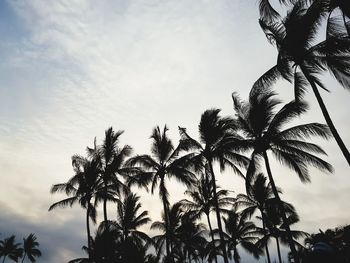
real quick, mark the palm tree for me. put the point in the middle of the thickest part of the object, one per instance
(240, 232)
(156, 168)
(10, 249)
(217, 144)
(258, 196)
(112, 159)
(202, 201)
(82, 188)
(129, 220)
(262, 128)
(303, 61)
(30, 248)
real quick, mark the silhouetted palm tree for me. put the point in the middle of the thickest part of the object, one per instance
(112, 159)
(156, 168)
(240, 232)
(82, 188)
(262, 127)
(201, 193)
(217, 144)
(257, 198)
(303, 61)
(10, 249)
(30, 248)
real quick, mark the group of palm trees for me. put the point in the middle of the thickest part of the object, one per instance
(9, 249)
(243, 142)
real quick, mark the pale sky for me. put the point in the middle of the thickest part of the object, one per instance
(69, 69)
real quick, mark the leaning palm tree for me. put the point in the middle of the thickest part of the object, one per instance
(263, 129)
(10, 249)
(30, 248)
(164, 163)
(202, 200)
(258, 196)
(82, 188)
(217, 144)
(240, 232)
(303, 61)
(112, 158)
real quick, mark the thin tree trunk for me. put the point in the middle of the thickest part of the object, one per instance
(88, 231)
(105, 206)
(266, 246)
(212, 235)
(328, 119)
(278, 250)
(4, 259)
(24, 257)
(218, 218)
(166, 221)
(275, 192)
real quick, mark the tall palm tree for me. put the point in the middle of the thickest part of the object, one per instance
(217, 144)
(82, 188)
(112, 158)
(154, 169)
(263, 129)
(30, 248)
(10, 249)
(202, 202)
(258, 196)
(301, 60)
(240, 232)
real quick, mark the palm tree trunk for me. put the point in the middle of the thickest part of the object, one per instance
(105, 205)
(166, 221)
(4, 259)
(218, 218)
(88, 230)
(266, 246)
(278, 250)
(275, 192)
(24, 257)
(211, 234)
(328, 119)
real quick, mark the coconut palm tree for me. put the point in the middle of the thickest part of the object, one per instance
(263, 130)
(202, 203)
(129, 220)
(217, 144)
(154, 169)
(10, 249)
(82, 188)
(240, 232)
(112, 158)
(30, 248)
(301, 60)
(258, 196)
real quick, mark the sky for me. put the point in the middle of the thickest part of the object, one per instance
(69, 69)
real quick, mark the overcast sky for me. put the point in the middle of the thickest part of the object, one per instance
(69, 69)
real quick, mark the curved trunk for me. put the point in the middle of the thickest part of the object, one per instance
(278, 250)
(275, 192)
(328, 119)
(88, 231)
(266, 246)
(211, 234)
(218, 218)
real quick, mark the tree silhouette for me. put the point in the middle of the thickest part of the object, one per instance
(302, 61)
(30, 248)
(112, 159)
(154, 169)
(82, 188)
(10, 249)
(262, 127)
(217, 144)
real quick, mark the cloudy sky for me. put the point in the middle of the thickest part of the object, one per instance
(69, 69)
